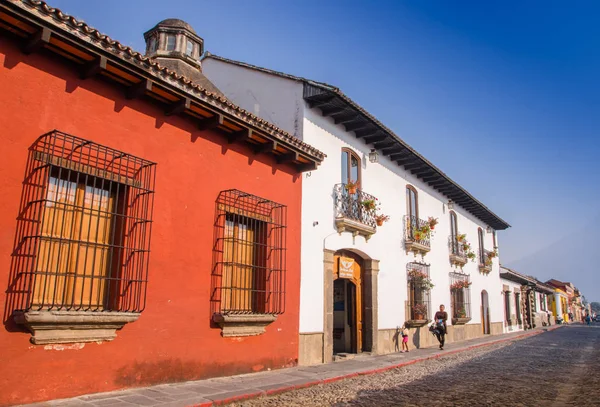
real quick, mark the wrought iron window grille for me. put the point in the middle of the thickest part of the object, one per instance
(418, 305)
(249, 255)
(83, 229)
(460, 295)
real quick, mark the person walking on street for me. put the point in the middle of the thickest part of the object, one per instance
(439, 321)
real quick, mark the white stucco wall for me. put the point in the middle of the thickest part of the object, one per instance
(386, 181)
(277, 100)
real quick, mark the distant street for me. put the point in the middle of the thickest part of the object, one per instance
(558, 368)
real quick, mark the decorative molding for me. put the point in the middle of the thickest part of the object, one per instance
(356, 228)
(49, 327)
(416, 247)
(457, 260)
(243, 325)
(414, 323)
(460, 321)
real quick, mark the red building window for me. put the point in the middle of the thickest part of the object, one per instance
(83, 234)
(249, 255)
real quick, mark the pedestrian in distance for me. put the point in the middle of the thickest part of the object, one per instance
(404, 334)
(439, 324)
(588, 319)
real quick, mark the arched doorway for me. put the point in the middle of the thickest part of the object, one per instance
(485, 312)
(348, 309)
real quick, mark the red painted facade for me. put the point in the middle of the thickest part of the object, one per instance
(173, 339)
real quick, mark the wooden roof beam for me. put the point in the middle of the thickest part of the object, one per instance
(341, 119)
(413, 165)
(240, 135)
(375, 138)
(139, 89)
(211, 122)
(395, 153)
(328, 111)
(37, 41)
(93, 67)
(382, 144)
(320, 101)
(287, 157)
(178, 107)
(366, 132)
(265, 147)
(357, 124)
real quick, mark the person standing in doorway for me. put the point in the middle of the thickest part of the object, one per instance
(440, 319)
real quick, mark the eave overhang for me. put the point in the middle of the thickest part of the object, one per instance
(336, 105)
(40, 28)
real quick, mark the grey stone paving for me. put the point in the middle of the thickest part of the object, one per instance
(560, 368)
(204, 392)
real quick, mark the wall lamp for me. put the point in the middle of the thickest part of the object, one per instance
(450, 204)
(374, 156)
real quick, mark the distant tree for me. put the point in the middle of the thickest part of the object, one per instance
(596, 307)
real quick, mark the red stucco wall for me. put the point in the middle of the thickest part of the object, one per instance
(172, 340)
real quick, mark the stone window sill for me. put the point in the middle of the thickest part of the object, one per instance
(460, 321)
(243, 325)
(48, 327)
(416, 322)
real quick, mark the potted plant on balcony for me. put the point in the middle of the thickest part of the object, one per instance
(381, 218)
(420, 278)
(352, 186)
(369, 204)
(461, 313)
(461, 237)
(432, 222)
(459, 285)
(419, 312)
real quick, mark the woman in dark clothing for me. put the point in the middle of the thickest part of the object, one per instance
(440, 319)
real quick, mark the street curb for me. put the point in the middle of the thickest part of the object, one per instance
(285, 389)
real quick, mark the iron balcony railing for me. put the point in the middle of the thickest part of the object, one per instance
(413, 230)
(485, 258)
(456, 247)
(354, 206)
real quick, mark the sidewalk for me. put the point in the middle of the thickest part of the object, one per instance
(219, 391)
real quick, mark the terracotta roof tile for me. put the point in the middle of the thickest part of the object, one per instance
(127, 52)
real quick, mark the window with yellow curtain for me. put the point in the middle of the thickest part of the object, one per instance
(244, 271)
(74, 247)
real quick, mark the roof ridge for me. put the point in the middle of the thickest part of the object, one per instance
(89, 31)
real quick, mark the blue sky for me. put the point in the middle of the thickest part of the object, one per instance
(502, 96)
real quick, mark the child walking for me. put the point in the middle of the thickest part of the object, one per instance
(404, 334)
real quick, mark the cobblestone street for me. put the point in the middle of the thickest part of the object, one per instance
(559, 368)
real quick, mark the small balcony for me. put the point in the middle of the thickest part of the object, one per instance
(458, 255)
(415, 240)
(485, 261)
(354, 212)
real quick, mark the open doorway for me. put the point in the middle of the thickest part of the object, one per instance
(485, 312)
(347, 304)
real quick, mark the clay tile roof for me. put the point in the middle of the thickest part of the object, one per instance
(97, 39)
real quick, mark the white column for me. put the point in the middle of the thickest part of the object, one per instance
(558, 305)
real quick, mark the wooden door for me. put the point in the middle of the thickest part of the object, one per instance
(74, 250)
(355, 278)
